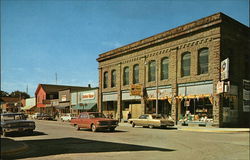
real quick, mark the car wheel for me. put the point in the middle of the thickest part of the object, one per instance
(111, 129)
(77, 127)
(93, 127)
(151, 126)
(133, 124)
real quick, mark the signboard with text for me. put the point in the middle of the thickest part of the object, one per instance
(135, 90)
(86, 96)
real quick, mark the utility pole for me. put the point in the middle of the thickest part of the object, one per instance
(56, 78)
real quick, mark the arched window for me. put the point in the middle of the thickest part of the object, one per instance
(105, 83)
(126, 76)
(164, 68)
(113, 78)
(151, 71)
(136, 73)
(185, 64)
(203, 61)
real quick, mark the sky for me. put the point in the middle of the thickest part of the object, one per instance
(45, 39)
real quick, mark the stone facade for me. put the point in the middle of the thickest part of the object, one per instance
(204, 33)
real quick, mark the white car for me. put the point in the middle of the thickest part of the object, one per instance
(67, 117)
(34, 116)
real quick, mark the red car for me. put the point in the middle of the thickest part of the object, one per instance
(94, 121)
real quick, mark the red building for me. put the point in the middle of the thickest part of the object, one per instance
(47, 97)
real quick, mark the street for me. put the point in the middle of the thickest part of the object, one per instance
(58, 140)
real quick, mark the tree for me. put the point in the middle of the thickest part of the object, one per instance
(4, 94)
(19, 94)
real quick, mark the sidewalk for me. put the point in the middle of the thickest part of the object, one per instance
(200, 129)
(9, 146)
(212, 129)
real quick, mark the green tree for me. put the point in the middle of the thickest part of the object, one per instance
(4, 94)
(19, 94)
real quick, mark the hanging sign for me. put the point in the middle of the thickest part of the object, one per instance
(224, 69)
(220, 87)
(135, 90)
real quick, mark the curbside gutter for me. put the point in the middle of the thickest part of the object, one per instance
(218, 130)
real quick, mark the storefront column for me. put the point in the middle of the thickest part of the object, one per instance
(99, 101)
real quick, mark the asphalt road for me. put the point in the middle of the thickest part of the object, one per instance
(60, 141)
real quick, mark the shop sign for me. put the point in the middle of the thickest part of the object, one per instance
(225, 69)
(246, 96)
(220, 87)
(88, 96)
(64, 98)
(135, 90)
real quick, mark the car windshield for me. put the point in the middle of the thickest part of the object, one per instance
(96, 115)
(157, 116)
(11, 117)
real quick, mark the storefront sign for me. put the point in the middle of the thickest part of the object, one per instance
(64, 98)
(86, 96)
(136, 90)
(225, 69)
(246, 96)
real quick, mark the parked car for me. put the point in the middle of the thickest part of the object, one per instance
(16, 122)
(152, 120)
(35, 115)
(67, 117)
(95, 121)
(44, 116)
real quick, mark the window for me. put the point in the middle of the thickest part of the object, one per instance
(164, 68)
(136, 74)
(185, 64)
(126, 76)
(113, 78)
(151, 71)
(105, 84)
(203, 61)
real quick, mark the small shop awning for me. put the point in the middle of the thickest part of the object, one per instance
(27, 107)
(61, 107)
(86, 106)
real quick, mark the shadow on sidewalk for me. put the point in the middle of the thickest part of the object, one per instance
(47, 147)
(21, 134)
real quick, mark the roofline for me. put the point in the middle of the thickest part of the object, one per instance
(167, 35)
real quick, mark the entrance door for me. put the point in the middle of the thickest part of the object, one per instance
(135, 110)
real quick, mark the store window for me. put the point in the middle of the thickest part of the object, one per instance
(151, 71)
(203, 61)
(136, 73)
(105, 83)
(113, 78)
(185, 64)
(164, 68)
(126, 76)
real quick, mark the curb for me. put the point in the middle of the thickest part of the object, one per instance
(14, 151)
(213, 130)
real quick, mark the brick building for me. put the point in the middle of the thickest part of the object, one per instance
(182, 65)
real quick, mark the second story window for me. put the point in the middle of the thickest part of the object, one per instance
(185, 64)
(113, 78)
(164, 68)
(151, 71)
(126, 76)
(136, 74)
(105, 82)
(203, 61)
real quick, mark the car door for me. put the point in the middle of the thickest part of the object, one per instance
(142, 120)
(84, 120)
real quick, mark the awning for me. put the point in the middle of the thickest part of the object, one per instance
(61, 107)
(86, 106)
(27, 107)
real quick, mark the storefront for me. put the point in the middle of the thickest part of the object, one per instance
(109, 104)
(84, 101)
(164, 100)
(195, 102)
